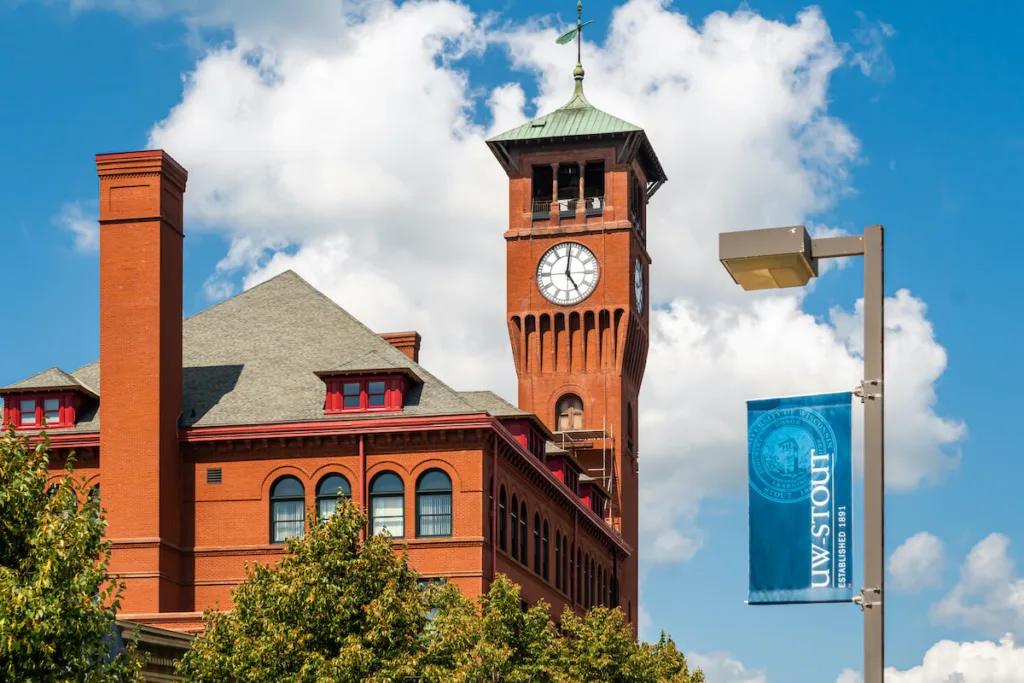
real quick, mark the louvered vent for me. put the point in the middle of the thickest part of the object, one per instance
(213, 475)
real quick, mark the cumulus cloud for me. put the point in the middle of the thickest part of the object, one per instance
(720, 667)
(346, 142)
(917, 563)
(989, 595)
(951, 662)
(83, 225)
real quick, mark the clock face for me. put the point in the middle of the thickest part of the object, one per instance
(567, 273)
(638, 285)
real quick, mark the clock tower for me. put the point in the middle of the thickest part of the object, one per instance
(578, 304)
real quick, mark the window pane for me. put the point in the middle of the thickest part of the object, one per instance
(351, 388)
(435, 480)
(287, 487)
(325, 507)
(386, 482)
(286, 520)
(376, 394)
(387, 513)
(435, 514)
(333, 484)
(51, 410)
(28, 412)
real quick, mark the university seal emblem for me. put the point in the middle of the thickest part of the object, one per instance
(781, 442)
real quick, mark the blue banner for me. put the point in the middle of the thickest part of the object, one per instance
(800, 474)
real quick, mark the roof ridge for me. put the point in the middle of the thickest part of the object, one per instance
(387, 347)
(283, 273)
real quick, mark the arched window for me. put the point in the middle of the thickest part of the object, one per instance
(579, 576)
(536, 543)
(501, 518)
(523, 538)
(287, 510)
(630, 431)
(545, 550)
(605, 575)
(565, 564)
(593, 584)
(586, 581)
(434, 505)
(327, 492)
(515, 528)
(94, 494)
(569, 413)
(387, 504)
(558, 559)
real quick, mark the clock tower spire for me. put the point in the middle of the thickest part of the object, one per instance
(578, 307)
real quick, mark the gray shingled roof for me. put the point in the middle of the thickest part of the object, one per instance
(492, 403)
(252, 359)
(54, 378)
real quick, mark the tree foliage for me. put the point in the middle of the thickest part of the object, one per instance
(337, 609)
(58, 606)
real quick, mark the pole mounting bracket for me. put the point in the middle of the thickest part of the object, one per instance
(864, 391)
(861, 599)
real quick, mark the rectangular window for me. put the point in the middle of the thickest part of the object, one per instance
(51, 410)
(541, 192)
(593, 187)
(351, 395)
(568, 190)
(376, 392)
(387, 513)
(27, 408)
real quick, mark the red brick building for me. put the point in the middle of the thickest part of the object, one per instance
(212, 440)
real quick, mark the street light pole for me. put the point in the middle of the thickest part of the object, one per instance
(873, 395)
(787, 257)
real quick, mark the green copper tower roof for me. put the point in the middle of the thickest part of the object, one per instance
(578, 121)
(577, 118)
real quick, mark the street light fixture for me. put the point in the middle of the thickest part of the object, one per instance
(788, 257)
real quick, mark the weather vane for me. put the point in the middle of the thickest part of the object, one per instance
(576, 33)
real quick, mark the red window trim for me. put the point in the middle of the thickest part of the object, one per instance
(67, 410)
(394, 394)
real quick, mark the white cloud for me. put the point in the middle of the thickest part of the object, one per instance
(871, 56)
(917, 563)
(720, 667)
(83, 225)
(950, 662)
(989, 595)
(346, 146)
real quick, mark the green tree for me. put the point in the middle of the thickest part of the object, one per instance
(333, 609)
(338, 609)
(499, 641)
(58, 605)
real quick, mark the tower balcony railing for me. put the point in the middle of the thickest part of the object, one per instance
(541, 209)
(567, 206)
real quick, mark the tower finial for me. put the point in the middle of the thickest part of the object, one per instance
(577, 33)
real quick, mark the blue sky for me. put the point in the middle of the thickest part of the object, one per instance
(929, 142)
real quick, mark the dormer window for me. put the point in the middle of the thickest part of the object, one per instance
(364, 394)
(40, 411)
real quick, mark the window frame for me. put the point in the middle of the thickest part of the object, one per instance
(515, 527)
(274, 499)
(523, 532)
(570, 412)
(502, 518)
(395, 388)
(386, 494)
(323, 496)
(536, 543)
(544, 549)
(419, 491)
(67, 407)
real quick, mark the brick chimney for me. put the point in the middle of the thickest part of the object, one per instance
(140, 364)
(406, 342)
